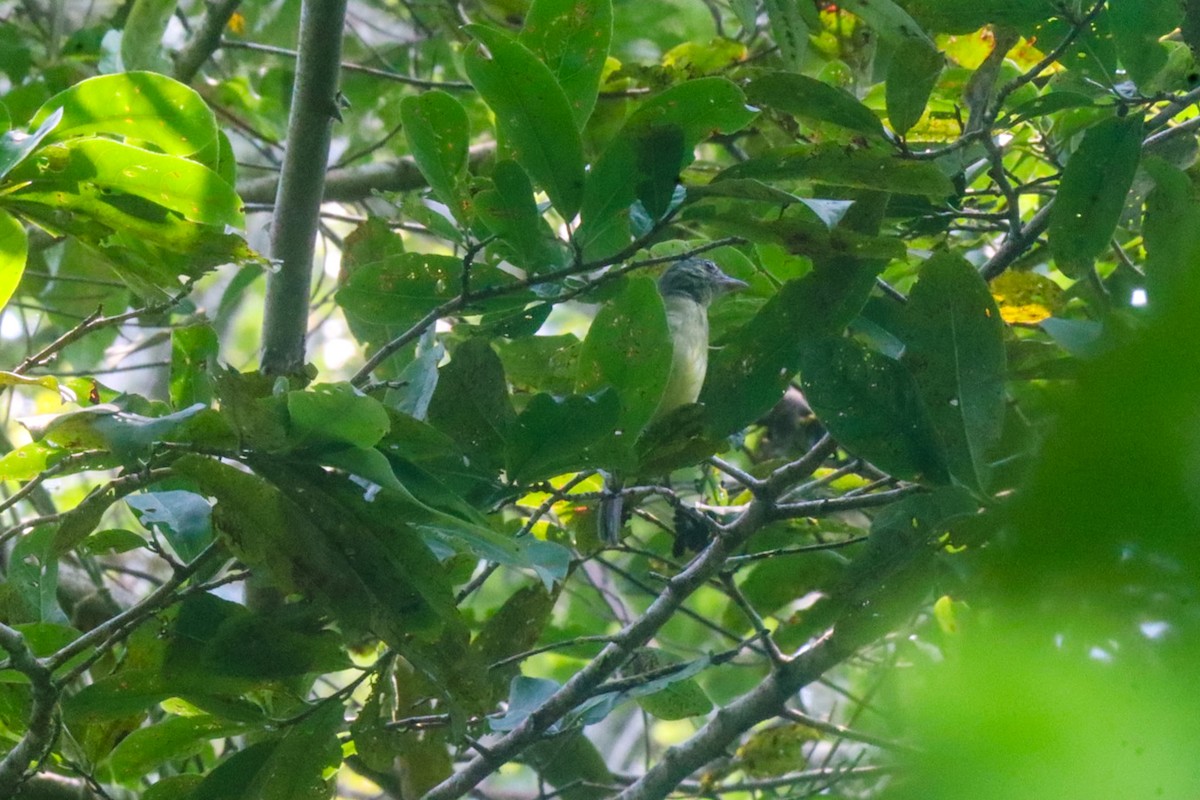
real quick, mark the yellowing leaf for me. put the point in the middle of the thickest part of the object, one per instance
(694, 59)
(776, 751)
(1026, 298)
(948, 614)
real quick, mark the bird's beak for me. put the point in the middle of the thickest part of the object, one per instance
(731, 284)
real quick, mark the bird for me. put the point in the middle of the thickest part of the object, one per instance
(687, 287)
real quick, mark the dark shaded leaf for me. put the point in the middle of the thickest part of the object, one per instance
(840, 165)
(912, 74)
(871, 405)
(750, 371)
(1092, 193)
(954, 348)
(811, 99)
(672, 122)
(553, 435)
(471, 402)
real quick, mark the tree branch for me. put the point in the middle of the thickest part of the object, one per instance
(301, 185)
(39, 736)
(206, 39)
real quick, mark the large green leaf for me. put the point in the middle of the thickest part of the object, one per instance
(310, 544)
(1137, 27)
(1092, 193)
(438, 134)
(912, 74)
(471, 402)
(749, 372)
(572, 39)
(141, 106)
(628, 347)
(336, 413)
(811, 99)
(1172, 232)
(176, 738)
(102, 170)
(837, 165)
(533, 114)
(954, 348)
(643, 161)
(291, 767)
(14, 250)
(871, 405)
(955, 16)
(553, 435)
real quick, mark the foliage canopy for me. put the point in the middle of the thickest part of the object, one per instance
(928, 532)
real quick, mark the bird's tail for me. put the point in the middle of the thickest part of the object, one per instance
(612, 510)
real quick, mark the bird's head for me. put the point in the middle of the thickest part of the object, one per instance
(698, 279)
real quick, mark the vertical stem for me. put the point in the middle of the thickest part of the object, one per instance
(301, 184)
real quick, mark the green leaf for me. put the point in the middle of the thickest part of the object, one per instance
(955, 16)
(1137, 27)
(322, 535)
(533, 114)
(15, 146)
(141, 106)
(95, 166)
(837, 165)
(174, 787)
(811, 99)
(400, 289)
(749, 372)
(553, 436)
(514, 628)
(510, 212)
(471, 402)
(173, 739)
(872, 407)
(141, 39)
(292, 768)
(183, 518)
(1092, 193)
(107, 426)
(912, 74)
(336, 413)
(954, 348)
(628, 347)
(14, 250)
(1172, 232)
(889, 20)
(572, 40)
(113, 540)
(29, 460)
(640, 162)
(789, 30)
(541, 363)
(193, 357)
(438, 134)
(33, 573)
(680, 699)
